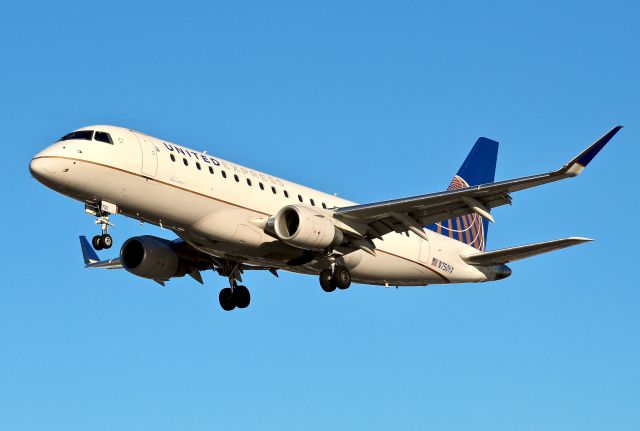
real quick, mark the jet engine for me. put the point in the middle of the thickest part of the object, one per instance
(150, 257)
(306, 228)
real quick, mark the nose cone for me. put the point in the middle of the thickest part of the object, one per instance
(38, 169)
(44, 165)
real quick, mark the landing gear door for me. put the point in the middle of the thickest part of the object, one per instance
(149, 155)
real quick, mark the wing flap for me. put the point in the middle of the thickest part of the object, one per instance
(506, 255)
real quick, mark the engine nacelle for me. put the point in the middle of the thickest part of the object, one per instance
(149, 257)
(306, 228)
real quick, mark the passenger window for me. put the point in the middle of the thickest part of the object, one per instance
(210, 170)
(286, 194)
(248, 182)
(300, 198)
(224, 174)
(172, 157)
(261, 186)
(86, 135)
(324, 205)
(273, 189)
(198, 165)
(103, 137)
(185, 162)
(312, 202)
(236, 178)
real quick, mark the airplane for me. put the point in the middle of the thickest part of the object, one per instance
(232, 219)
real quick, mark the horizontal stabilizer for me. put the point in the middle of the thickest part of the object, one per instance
(91, 259)
(506, 255)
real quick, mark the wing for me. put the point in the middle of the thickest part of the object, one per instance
(412, 213)
(506, 255)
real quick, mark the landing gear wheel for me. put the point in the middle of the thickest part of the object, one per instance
(226, 299)
(106, 241)
(326, 281)
(341, 277)
(241, 296)
(96, 241)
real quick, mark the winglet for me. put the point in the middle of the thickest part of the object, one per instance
(88, 254)
(577, 165)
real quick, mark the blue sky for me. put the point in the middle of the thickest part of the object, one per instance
(369, 100)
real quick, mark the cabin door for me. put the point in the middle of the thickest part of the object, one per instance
(149, 155)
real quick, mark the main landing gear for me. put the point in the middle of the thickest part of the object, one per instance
(234, 296)
(336, 276)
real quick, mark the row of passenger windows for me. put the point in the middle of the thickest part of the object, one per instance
(274, 190)
(88, 135)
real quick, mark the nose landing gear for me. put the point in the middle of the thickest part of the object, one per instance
(103, 241)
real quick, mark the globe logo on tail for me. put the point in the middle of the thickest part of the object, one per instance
(469, 228)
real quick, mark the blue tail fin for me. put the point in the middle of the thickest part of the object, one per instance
(478, 168)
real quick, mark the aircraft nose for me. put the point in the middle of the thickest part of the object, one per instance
(43, 166)
(38, 169)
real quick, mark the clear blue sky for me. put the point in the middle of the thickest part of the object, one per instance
(372, 101)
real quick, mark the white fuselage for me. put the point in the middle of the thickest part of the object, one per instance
(214, 205)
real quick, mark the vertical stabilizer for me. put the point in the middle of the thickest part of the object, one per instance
(478, 168)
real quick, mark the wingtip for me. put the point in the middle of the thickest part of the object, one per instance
(614, 130)
(580, 239)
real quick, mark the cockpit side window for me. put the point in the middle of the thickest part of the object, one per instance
(86, 135)
(103, 137)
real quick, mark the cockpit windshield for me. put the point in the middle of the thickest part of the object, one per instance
(103, 137)
(86, 135)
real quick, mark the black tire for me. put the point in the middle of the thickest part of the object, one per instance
(96, 242)
(106, 241)
(241, 296)
(341, 277)
(226, 299)
(326, 282)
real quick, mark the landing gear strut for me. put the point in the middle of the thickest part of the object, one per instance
(336, 276)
